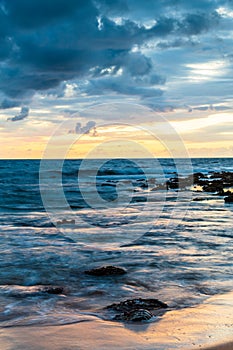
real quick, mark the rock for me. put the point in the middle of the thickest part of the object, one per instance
(137, 315)
(53, 290)
(109, 183)
(135, 304)
(34, 291)
(216, 182)
(137, 199)
(214, 186)
(172, 183)
(106, 271)
(199, 175)
(228, 193)
(221, 192)
(142, 183)
(229, 199)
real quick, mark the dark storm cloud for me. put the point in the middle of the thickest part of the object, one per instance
(46, 43)
(150, 9)
(32, 14)
(196, 23)
(127, 84)
(22, 115)
(7, 103)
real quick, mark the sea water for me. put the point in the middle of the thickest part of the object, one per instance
(173, 248)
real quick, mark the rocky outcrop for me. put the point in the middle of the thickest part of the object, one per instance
(136, 310)
(229, 199)
(34, 291)
(106, 271)
(52, 290)
(137, 315)
(131, 304)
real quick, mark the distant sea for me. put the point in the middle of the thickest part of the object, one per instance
(173, 248)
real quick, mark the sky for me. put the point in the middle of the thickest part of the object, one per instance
(86, 73)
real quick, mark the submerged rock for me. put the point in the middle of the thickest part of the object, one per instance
(34, 291)
(52, 290)
(106, 271)
(135, 304)
(137, 315)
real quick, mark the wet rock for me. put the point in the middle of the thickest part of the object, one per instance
(173, 183)
(214, 186)
(106, 271)
(228, 193)
(198, 175)
(221, 192)
(229, 199)
(52, 290)
(226, 176)
(137, 310)
(137, 199)
(135, 304)
(109, 183)
(137, 315)
(216, 182)
(142, 183)
(34, 291)
(199, 199)
(179, 183)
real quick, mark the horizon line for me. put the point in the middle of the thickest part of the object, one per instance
(223, 157)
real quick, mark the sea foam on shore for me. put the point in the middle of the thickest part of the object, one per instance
(201, 327)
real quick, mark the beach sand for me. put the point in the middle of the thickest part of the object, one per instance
(207, 326)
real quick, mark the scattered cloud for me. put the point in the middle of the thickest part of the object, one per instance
(22, 115)
(85, 129)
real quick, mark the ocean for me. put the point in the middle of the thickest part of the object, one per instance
(58, 220)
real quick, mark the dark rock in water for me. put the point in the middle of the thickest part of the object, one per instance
(228, 193)
(53, 290)
(106, 271)
(221, 192)
(198, 175)
(109, 183)
(136, 310)
(214, 186)
(135, 304)
(216, 182)
(229, 199)
(199, 199)
(136, 315)
(138, 199)
(35, 291)
(172, 183)
(142, 183)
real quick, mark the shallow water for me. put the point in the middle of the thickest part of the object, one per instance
(173, 248)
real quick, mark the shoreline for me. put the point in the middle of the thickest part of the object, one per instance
(207, 326)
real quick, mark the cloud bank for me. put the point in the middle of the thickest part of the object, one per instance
(121, 47)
